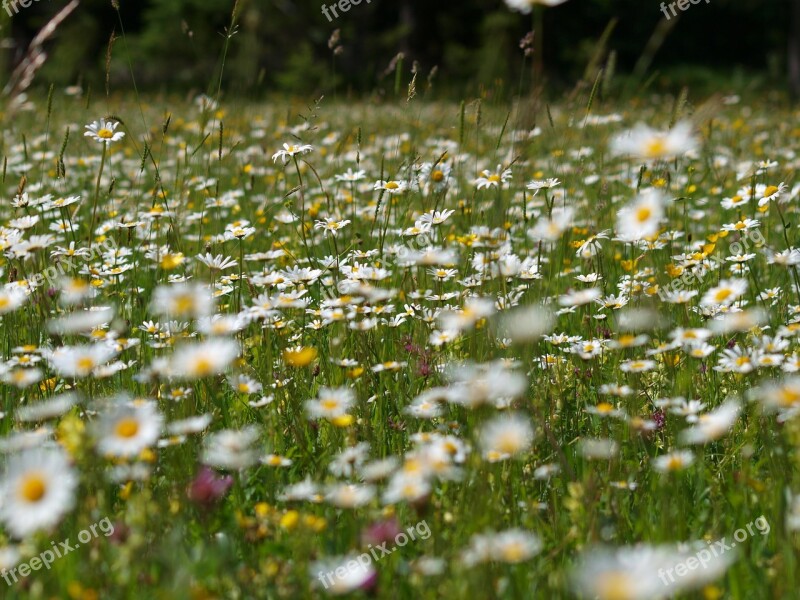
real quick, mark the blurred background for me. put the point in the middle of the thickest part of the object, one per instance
(282, 46)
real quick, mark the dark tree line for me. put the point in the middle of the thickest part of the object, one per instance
(283, 44)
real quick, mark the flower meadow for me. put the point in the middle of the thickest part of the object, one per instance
(399, 349)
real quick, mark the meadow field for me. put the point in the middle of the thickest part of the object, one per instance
(399, 348)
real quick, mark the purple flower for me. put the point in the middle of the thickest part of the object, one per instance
(208, 487)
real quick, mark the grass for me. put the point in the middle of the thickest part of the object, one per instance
(151, 196)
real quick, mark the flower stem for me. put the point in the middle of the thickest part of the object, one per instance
(97, 194)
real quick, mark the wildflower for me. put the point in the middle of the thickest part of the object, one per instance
(208, 488)
(232, 449)
(649, 144)
(506, 436)
(203, 359)
(713, 425)
(641, 219)
(128, 428)
(36, 490)
(79, 361)
(489, 179)
(289, 151)
(391, 187)
(726, 293)
(673, 461)
(511, 546)
(331, 225)
(330, 403)
(104, 131)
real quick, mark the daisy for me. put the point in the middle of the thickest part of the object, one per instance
(673, 461)
(350, 495)
(232, 449)
(506, 436)
(605, 409)
(725, 294)
(713, 425)
(641, 219)
(79, 361)
(544, 184)
(243, 384)
(489, 179)
(741, 225)
(331, 225)
(552, 228)
(342, 575)
(642, 572)
(391, 187)
(104, 131)
(182, 301)
(406, 486)
(637, 366)
(275, 460)
(218, 262)
(36, 490)
(331, 403)
(202, 359)
(11, 299)
(128, 428)
(423, 408)
(47, 409)
(351, 176)
(649, 144)
(511, 546)
(289, 151)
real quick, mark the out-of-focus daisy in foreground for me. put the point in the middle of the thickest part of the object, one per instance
(646, 143)
(37, 489)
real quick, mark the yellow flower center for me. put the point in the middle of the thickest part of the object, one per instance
(183, 304)
(514, 553)
(722, 295)
(203, 367)
(33, 488)
(392, 185)
(105, 134)
(329, 404)
(656, 148)
(788, 397)
(643, 213)
(437, 176)
(508, 445)
(85, 363)
(615, 585)
(675, 463)
(494, 178)
(127, 428)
